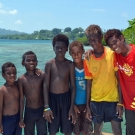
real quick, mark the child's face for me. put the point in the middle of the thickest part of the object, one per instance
(30, 62)
(60, 48)
(77, 53)
(94, 41)
(10, 74)
(116, 44)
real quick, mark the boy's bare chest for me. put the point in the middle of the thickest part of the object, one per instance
(31, 80)
(60, 70)
(11, 93)
(32, 83)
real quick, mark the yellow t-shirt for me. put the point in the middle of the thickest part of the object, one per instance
(102, 72)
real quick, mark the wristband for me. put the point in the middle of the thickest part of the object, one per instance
(120, 104)
(46, 109)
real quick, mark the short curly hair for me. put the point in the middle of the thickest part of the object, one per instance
(62, 38)
(28, 53)
(6, 65)
(93, 29)
(112, 32)
(75, 43)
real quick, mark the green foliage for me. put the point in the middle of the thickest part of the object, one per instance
(75, 34)
(129, 33)
(83, 40)
(67, 29)
(56, 31)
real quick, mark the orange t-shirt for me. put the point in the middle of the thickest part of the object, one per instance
(102, 72)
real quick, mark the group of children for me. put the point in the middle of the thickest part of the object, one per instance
(71, 95)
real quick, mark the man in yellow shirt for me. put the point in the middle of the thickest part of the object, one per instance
(102, 87)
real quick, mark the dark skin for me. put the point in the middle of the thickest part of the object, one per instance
(59, 71)
(30, 87)
(95, 42)
(118, 45)
(9, 95)
(77, 53)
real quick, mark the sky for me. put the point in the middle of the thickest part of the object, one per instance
(33, 15)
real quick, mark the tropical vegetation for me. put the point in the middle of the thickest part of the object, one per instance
(75, 34)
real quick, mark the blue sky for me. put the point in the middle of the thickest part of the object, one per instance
(31, 15)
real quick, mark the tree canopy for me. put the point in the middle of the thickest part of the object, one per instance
(75, 34)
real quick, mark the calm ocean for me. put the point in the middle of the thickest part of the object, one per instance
(12, 50)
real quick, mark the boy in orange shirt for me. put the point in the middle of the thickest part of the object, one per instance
(102, 87)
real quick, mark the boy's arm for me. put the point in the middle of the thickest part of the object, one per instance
(88, 76)
(20, 86)
(72, 87)
(120, 103)
(88, 98)
(1, 109)
(47, 111)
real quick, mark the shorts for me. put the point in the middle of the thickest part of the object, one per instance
(11, 125)
(104, 112)
(34, 117)
(82, 123)
(60, 105)
(130, 122)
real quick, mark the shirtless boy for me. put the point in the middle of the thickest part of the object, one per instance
(31, 87)
(59, 89)
(9, 102)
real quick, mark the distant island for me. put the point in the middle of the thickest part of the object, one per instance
(75, 34)
(9, 32)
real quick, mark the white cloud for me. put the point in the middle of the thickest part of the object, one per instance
(18, 22)
(98, 10)
(14, 11)
(124, 15)
(7, 11)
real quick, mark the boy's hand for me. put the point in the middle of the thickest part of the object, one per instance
(38, 72)
(48, 115)
(88, 114)
(119, 111)
(76, 109)
(88, 53)
(21, 124)
(1, 129)
(71, 115)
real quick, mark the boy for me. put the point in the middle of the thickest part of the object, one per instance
(125, 56)
(59, 83)
(31, 87)
(82, 124)
(9, 102)
(102, 91)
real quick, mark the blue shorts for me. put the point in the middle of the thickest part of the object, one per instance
(104, 112)
(11, 125)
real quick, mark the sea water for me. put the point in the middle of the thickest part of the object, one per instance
(12, 51)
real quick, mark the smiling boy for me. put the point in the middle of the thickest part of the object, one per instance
(125, 56)
(31, 88)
